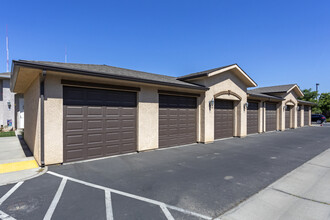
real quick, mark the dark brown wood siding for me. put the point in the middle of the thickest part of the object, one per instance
(271, 116)
(223, 119)
(98, 123)
(177, 120)
(252, 118)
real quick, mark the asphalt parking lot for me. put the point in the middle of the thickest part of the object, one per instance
(190, 182)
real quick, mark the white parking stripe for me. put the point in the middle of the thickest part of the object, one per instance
(108, 205)
(131, 196)
(4, 216)
(166, 212)
(11, 191)
(56, 198)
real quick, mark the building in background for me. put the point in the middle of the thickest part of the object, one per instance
(11, 105)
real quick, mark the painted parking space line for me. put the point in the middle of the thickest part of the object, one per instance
(11, 191)
(4, 216)
(108, 205)
(160, 204)
(56, 198)
(167, 213)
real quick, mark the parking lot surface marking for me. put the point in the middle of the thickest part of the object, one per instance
(162, 205)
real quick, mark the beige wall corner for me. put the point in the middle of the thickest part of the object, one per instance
(148, 111)
(301, 116)
(53, 106)
(32, 118)
(261, 118)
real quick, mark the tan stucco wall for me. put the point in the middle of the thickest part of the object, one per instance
(217, 84)
(148, 111)
(53, 116)
(32, 118)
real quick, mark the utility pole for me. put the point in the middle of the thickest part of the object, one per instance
(317, 92)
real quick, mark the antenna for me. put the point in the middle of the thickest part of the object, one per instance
(7, 49)
(66, 56)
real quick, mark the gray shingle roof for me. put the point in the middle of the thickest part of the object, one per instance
(253, 94)
(273, 89)
(113, 72)
(306, 102)
(203, 73)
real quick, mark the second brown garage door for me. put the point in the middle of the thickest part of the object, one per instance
(271, 116)
(287, 116)
(299, 116)
(306, 115)
(177, 120)
(98, 123)
(252, 117)
(223, 119)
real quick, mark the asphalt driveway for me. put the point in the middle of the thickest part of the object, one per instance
(190, 182)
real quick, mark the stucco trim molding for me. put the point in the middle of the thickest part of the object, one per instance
(227, 93)
(290, 102)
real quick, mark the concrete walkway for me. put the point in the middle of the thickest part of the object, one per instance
(16, 161)
(302, 194)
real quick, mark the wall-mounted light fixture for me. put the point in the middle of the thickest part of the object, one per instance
(9, 104)
(285, 107)
(298, 108)
(246, 105)
(211, 103)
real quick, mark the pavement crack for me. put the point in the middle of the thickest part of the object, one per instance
(300, 197)
(318, 165)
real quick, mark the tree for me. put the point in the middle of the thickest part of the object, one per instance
(311, 96)
(324, 104)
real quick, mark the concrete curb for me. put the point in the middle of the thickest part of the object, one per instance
(23, 175)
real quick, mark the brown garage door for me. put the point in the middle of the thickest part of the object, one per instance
(271, 116)
(177, 120)
(98, 123)
(252, 117)
(299, 116)
(223, 119)
(306, 115)
(287, 116)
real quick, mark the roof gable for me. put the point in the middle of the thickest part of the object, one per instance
(211, 72)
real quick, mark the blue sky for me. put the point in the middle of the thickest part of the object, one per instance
(275, 42)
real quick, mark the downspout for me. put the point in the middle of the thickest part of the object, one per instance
(42, 117)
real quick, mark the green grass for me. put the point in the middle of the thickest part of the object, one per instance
(7, 134)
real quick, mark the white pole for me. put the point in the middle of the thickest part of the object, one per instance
(7, 49)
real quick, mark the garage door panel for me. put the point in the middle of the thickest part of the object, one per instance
(177, 120)
(93, 111)
(74, 111)
(98, 123)
(271, 117)
(75, 125)
(287, 117)
(252, 118)
(74, 140)
(223, 118)
(75, 155)
(306, 115)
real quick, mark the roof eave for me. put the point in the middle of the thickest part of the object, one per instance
(277, 99)
(16, 64)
